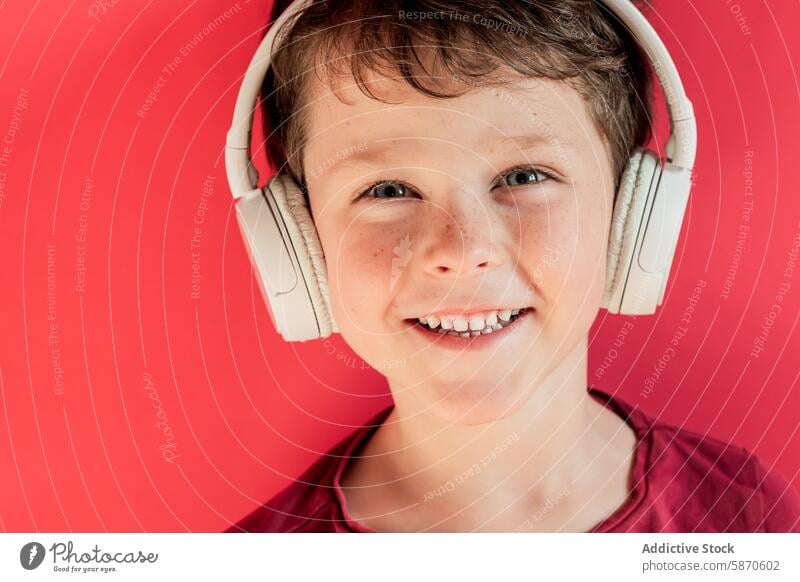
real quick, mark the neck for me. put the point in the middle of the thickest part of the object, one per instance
(536, 455)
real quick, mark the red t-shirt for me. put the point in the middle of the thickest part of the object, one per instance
(681, 481)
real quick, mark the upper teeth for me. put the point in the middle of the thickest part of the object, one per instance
(474, 321)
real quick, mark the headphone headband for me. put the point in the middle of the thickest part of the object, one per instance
(680, 147)
(242, 176)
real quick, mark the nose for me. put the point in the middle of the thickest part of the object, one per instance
(462, 239)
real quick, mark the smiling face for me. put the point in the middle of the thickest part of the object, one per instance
(498, 198)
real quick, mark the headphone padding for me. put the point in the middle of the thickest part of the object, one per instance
(626, 222)
(292, 205)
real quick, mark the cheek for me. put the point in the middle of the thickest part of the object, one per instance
(567, 242)
(360, 257)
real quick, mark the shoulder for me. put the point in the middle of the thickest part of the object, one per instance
(713, 485)
(306, 504)
(778, 500)
(310, 503)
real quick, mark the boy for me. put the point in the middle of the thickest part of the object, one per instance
(481, 144)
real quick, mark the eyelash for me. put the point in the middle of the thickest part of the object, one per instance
(365, 192)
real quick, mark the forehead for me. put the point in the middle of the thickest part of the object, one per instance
(341, 121)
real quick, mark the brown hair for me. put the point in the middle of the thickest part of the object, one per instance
(578, 41)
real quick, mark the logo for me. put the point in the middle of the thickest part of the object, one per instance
(31, 555)
(401, 254)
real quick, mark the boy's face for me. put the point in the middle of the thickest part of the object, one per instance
(460, 224)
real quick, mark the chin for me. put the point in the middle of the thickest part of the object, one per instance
(469, 406)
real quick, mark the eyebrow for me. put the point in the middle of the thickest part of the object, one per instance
(530, 140)
(387, 147)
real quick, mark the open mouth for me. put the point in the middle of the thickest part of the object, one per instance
(470, 326)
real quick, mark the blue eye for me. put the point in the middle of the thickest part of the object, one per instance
(524, 176)
(391, 189)
(386, 189)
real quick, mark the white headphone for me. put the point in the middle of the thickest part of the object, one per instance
(286, 253)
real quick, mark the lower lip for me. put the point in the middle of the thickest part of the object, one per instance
(472, 342)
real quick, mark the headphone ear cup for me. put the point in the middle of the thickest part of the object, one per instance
(291, 205)
(626, 223)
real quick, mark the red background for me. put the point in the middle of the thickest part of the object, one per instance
(248, 412)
